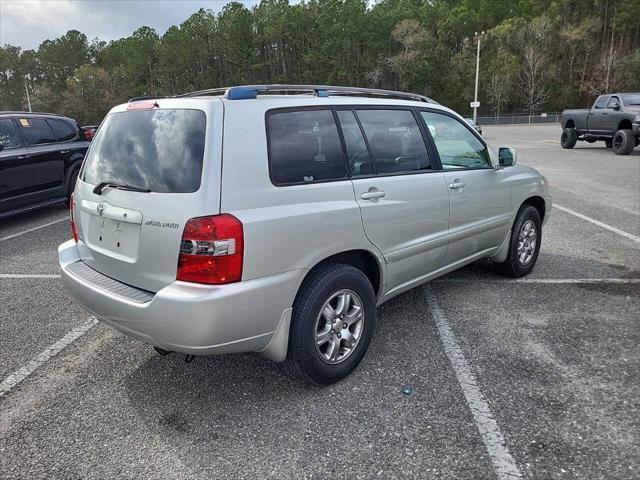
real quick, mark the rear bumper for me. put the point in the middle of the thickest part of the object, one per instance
(191, 318)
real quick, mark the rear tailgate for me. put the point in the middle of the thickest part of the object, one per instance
(173, 149)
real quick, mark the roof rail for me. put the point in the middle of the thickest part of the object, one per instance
(245, 92)
(22, 112)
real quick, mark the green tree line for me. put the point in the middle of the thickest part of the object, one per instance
(537, 55)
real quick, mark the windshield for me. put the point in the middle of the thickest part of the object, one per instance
(158, 150)
(631, 99)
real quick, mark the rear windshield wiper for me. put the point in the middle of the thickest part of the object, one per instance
(122, 186)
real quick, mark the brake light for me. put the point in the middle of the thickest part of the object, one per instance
(211, 250)
(71, 219)
(88, 135)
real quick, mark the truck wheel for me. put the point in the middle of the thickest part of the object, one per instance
(569, 138)
(609, 143)
(334, 316)
(623, 142)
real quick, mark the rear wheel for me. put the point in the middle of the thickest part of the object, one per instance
(526, 236)
(72, 184)
(333, 320)
(568, 138)
(623, 142)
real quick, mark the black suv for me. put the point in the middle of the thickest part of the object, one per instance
(40, 155)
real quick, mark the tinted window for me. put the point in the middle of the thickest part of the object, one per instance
(8, 134)
(161, 150)
(602, 102)
(36, 131)
(631, 99)
(457, 146)
(359, 159)
(62, 129)
(395, 141)
(304, 146)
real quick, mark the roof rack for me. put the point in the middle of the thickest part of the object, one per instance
(245, 92)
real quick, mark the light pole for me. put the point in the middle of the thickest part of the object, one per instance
(26, 89)
(475, 97)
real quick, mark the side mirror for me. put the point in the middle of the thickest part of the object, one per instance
(616, 107)
(507, 156)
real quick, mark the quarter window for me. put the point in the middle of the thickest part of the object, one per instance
(36, 131)
(62, 129)
(304, 146)
(395, 140)
(457, 146)
(8, 134)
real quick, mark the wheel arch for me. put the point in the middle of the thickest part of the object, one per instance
(538, 203)
(624, 125)
(570, 124)
(364, 260)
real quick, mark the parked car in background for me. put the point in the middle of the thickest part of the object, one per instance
(475, 125)
(613, 118)
(40, 156)
(255, 219)
(89, 131)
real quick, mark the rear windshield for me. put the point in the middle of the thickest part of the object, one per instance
(159, 150)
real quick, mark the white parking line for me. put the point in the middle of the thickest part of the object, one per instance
(553, 281)
(598, 223)
(503, 463)
(11, 381)
(32, 275)
(9, 237)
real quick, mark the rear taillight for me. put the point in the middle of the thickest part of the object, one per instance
(88, 134)
(211, 250)
(71, 219)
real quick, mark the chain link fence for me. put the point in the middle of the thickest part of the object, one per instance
(519, 118)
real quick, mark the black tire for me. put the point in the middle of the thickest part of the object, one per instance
(609, 143)
(72, 184)
(512, 266)
(623, 142)
(568, 138)
(303, 359)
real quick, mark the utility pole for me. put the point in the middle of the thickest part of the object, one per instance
(27, 92)
(475, 98)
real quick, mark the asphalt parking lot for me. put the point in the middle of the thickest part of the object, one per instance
(538, 378)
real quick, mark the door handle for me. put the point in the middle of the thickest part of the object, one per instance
(456, 185)
(373, 193)
(23, 157)
(63, 152)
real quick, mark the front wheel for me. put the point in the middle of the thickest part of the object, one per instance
(623, 142)
(526, 236)
(334, 316)
(568, 138)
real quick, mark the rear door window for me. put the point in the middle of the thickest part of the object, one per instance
(304, 146)
(160, 150)
(395, 141)
(62, 129)
(36, 131)
(359, 158)
(8, 134)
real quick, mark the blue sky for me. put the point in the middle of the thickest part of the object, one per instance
(26, 23)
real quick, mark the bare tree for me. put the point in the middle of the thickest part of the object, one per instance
(534, 94)
(499, 91)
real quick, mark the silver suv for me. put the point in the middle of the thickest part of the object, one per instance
(275, 219)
